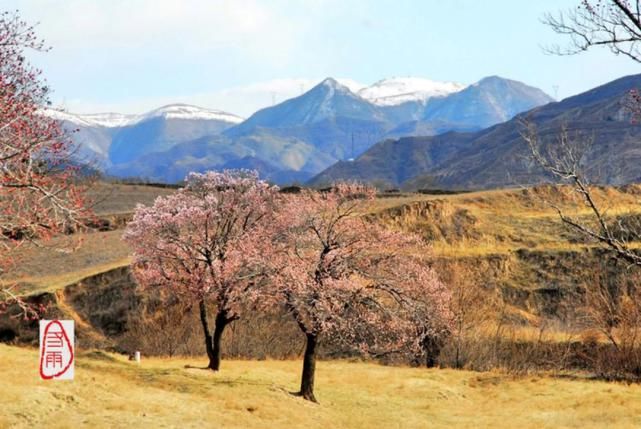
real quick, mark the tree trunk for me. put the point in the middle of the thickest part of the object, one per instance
(432, 349)
(208, 339)
(309, 368)
(221, 322)
(212, 343)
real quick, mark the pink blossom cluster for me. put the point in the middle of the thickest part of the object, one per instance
(204, 241)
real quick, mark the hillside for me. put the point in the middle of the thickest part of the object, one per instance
(108, 390)
(104, 139)
(510, 244)
(329, 99)
(490, 101)
(80, 256)
(294, 140)
(510, 238)
(497, 156)
(163, 128)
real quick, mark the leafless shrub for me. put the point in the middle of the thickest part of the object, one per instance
(565, 162)
(170, 328)
(477, 313)
(612, 308)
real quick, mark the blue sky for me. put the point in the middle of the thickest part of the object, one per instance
(135, 55)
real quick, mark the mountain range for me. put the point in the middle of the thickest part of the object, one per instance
(598, 122)
(294, 140)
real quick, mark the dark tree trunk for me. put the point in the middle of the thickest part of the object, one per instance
(221, 322)
(432, 349)
(309, 368)
(212, 343)
(208, 339)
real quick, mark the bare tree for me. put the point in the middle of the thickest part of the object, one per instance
(474, 309)
(563, 159)
(615, 24)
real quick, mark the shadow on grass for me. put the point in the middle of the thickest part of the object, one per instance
(198, 367)
(606, 378)
(98, 355)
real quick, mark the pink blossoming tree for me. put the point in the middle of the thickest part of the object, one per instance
(352, 281)
(203, 243)
(40, 194)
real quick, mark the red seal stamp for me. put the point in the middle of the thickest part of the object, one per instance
(56, 349)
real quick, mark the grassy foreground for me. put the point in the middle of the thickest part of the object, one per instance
(110, 391)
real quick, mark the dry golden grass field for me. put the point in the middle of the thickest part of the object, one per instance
(66, 260)
(470, 226)
(110, 391)
(109, 198)
(501, 221)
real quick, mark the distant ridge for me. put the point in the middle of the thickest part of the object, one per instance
(298, 138)
(498, 157)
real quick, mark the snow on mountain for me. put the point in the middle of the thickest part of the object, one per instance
(186, 111)
(172, 111)
(108, 119)
(61, 115)
(351, 84)
(490, 101)
(325, 106)
(397, 90)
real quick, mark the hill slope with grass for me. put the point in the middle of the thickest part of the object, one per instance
(510, 239)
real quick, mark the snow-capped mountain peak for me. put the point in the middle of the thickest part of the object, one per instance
(187, 111)
(333, 84)
(351, 84)
(330, 82)
(107, 120)
(398, 90)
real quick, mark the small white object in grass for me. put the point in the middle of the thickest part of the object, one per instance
(137, 356)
